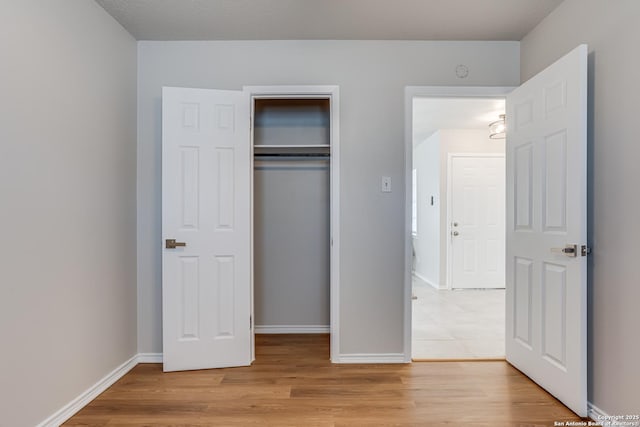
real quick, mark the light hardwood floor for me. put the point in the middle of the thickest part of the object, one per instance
(292, 383)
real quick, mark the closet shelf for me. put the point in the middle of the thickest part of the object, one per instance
(292, 146)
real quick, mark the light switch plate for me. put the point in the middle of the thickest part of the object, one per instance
(386, 184)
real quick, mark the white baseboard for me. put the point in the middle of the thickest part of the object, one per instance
(595, 413)
(149, 357)
(371, 358)
(88, 395)
(292, 329)
(427, 281)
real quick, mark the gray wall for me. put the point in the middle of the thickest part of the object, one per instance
(611, 29)
(291, 242)
(67, 194)
(372, 76)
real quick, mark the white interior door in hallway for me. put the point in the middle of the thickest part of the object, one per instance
(476, 221)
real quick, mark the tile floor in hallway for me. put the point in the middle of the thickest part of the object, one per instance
(457, 324)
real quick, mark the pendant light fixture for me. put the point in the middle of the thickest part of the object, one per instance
(497, 129)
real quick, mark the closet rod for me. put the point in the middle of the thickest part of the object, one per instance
(292, 155)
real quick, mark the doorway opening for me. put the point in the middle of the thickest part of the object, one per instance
(457, 237)
(294, 143)
(546, 223)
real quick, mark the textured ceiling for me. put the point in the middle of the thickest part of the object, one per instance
(329, 19)
(431, 114)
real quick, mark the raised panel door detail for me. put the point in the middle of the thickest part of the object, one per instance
(470, 259)
(554, 200)
(470, 210)
(493, 255)
(225, 296)
(523, 114)
(189, 298)
(190, 117)
(189, 170)
(523, 197)
(523, 301)
(225, 187)
(554, 314)
(555, 98)
(225, 117)
(493, 205)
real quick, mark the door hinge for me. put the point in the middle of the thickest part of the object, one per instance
(584, 251)
(250, 322)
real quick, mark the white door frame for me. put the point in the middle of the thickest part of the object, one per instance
(411, 92)
(332, 94)
(450, 158)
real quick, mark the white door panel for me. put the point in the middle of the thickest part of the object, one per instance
(477, 222)
(206, 205)
(546, 209)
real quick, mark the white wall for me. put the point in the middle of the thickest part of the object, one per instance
(458, 141)
(611, 29)
(426, 244)
(67, 195)
(372, 76)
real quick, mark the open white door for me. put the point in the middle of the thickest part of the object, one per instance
(546, 319)
(206, 172)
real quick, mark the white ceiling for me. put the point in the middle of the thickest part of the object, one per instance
(329, 19)
(431, 114)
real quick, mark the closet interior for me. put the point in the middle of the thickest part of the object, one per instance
(291, 187)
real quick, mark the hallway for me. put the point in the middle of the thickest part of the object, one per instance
(458, 324)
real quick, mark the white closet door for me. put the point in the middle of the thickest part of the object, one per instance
(206, 205)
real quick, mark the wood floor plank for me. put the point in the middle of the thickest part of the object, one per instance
(293, 383)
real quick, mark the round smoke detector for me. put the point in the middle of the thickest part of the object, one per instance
(462, 71)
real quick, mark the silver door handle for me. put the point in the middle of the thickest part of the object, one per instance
(569, 250)
(455, 233)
